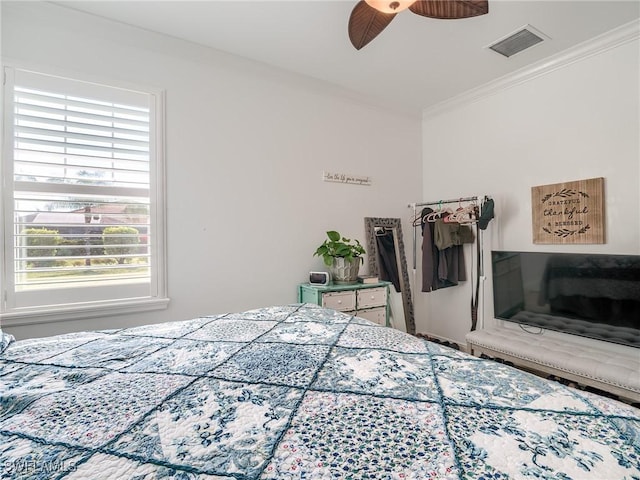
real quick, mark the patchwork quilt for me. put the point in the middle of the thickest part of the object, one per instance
(294, 392)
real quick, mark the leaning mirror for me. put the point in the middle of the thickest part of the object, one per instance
(387, 260)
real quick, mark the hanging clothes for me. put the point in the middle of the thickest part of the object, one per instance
(446, 234)
(440, 268)
(487, 213)
(387, 263)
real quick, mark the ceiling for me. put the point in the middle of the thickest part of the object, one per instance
(415, 63)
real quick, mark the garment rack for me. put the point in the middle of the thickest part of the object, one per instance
(424, 204)
(437, 202)
(480, 278)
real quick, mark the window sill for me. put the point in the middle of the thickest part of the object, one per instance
(78, 312)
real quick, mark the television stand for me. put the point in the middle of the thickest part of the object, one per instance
(616, 372)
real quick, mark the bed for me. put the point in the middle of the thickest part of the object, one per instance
(294, 392)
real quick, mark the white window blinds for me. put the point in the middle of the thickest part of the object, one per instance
(84, 174)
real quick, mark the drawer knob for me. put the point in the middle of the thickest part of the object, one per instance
(339, 302)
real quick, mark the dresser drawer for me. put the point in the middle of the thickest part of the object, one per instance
(343, 301)
(372, 297)
(375, 315)
(370, 301)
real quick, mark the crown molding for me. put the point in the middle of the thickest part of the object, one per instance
(597, 45)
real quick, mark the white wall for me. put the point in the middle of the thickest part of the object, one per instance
(575, 122)
(246, 148)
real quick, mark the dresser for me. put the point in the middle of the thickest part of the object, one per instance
(366, 300)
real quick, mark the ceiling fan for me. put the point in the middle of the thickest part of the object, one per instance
(370, 17)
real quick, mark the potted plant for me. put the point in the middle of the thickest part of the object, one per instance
(343, 256)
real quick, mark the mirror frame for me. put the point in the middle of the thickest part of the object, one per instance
(372, 259)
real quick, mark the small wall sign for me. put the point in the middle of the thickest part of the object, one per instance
(346, 178)
(570, 212)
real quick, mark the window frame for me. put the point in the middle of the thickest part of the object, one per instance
(157, 297)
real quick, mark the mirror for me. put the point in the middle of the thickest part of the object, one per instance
(385, 248)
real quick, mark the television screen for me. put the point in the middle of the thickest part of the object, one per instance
(592, 295)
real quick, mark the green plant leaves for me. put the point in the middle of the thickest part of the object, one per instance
(333, 236)
(338, 246)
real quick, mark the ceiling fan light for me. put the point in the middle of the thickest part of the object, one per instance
(390, 6)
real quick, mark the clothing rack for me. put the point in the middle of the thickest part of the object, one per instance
(436, 202)
(473, 198)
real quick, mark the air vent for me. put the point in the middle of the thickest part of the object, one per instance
(516, 42)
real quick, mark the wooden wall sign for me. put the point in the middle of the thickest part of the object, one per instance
(345, 178)
(571, 212)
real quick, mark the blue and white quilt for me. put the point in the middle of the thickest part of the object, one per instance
(294, 392)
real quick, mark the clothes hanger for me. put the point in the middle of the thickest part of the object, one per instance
(416, 219)
(466, 215)
(438, 214)
(381, 231)
(455, 216)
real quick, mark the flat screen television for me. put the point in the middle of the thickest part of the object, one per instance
(591, 295)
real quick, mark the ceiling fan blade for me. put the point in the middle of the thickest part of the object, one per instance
(450, 9)
(365, 23)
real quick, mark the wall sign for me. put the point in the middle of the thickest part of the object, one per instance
(346, 178)
(571, 212)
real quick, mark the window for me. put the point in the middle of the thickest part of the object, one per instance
(83, 210)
